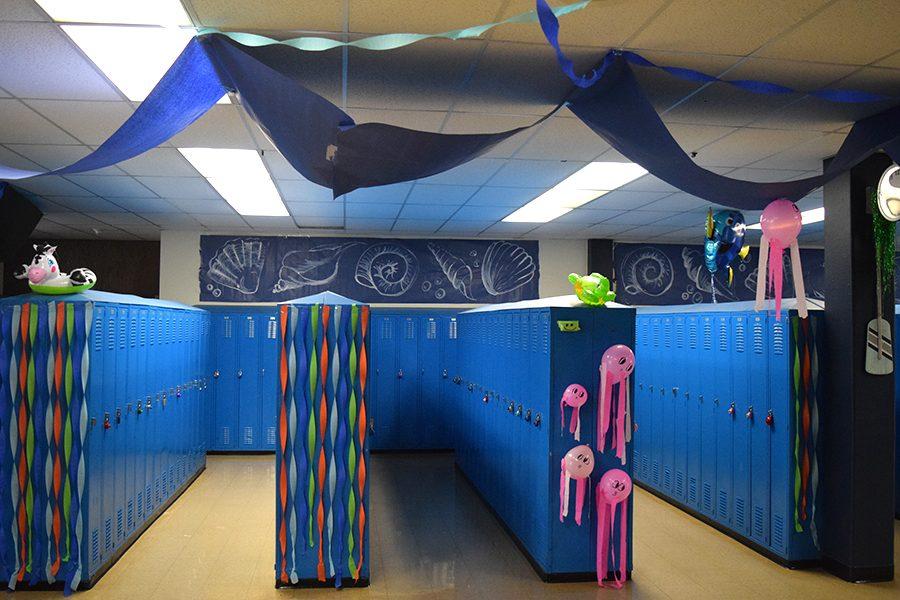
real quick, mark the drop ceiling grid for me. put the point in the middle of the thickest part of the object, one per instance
(889, 75)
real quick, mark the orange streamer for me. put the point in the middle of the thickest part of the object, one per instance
(282, 431)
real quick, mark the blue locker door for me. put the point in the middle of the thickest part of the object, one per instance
(693, 372)
(430, 415)
(655, 406)
(386, 409)
(96, 439)
(408, 427)
(225, 388)
(248, 382)
(759, 430)
(269, 380)
(129, 420)
(707, 400)
(745, 415)
(449, 368)
(726, 414)
(667, 379)
(140, 478)
(679, 392)
(637, 401)
(121, 436)
(781, 439)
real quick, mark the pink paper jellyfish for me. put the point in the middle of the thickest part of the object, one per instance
(615, 369)
(577, 464)
(612, 492)
(780, 223)
(575, 396)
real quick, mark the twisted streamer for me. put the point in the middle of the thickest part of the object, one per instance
(16, 434)
(302, 508)
(332, 433)
(814, 426)
(340, 451)
(798, 527)
(49, 422)
(6, 359)
(323, 424)
(351, 445)
(363, 424)
(283, 440)
(30, 434)
(79, 386)
(292, 445)
(311, 424)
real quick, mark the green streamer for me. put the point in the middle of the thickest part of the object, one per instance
(388, 41)
(883, 231)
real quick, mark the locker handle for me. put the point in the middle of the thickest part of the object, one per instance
(519, 410)
(371, 425)
(770, 418)
(687, 395)
(240, 373)
(444, 374)
(106, 423)
(537, 420)
(118, 415)
(674, 391)
(400, 374)
(749, 413)
(216, 374)
(731, 409)
(486, 399)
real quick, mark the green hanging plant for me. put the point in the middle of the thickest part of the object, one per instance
(883, 232)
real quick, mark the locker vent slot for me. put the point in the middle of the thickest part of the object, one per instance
(656, 472)
(156, 489)
(667, 478)
(130, 515)
(778, 531)
(545, 334)
(451, 332)
(111, 331)
(133, 332)
(227, 322)
(758, 519)
(739, 514)
(251, 328)
(108, 537)
(248, 436)
(679, 335)
(645, 466)
(143, 330)
(655, 333)
(122, 333)
(723, 504)
(707, 335)
(410, 329)
(226, 436)
(272, 329)
(165, 483)
(120, 525)
(757, 336)
(270, 436)
(667, 339)
(778, 338)
(98, 334)
(431, 332)
(636, 457)
(679, 484)
(692, 490)
(95, 547)
(148, 495)
(387, 329)
(739, 342)
(140, 505)
(707, 497)
(692, 335)
(723, 335)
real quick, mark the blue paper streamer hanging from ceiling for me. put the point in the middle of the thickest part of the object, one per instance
(324, 144)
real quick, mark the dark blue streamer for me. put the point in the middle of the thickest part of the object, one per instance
(5, 409)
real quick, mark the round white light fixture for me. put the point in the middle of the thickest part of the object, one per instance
(889, 194)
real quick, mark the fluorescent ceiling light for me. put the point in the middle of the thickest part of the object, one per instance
(132, 12)
(579, 188)
(813, 215)
(133, 58)
(241, 179)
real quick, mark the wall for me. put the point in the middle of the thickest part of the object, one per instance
(180, 265)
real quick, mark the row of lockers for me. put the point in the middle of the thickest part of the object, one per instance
(416, 354)
(513, 365)
(108, 438)
(716, 422)
(244, 379)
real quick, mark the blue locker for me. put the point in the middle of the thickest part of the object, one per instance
(693, 373)
(656, 389)
(726, 415)
(679, 392)
(744, 419)
(667, 407)
(269, 382)
(760, 451)
(97, 444)
(225, 383)
(708, 401)
(248, 382)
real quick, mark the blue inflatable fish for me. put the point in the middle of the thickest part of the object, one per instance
(724, 240)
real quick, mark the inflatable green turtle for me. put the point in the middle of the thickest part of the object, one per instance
(592, 289)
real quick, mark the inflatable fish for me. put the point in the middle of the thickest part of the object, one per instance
(724, 241)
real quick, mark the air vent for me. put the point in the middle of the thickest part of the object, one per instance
(692, 334)
(120, 525)
(778, 337)
(248, 436)
(98, 333)
(679, 484)
(739, 341)
(778, 531)
(707, 497)
(140, 505)
(228, 327)
(387, 329)
(111, 330)
(739, 514)
(667, 339)
(759, 518)
(270, 436)
(722, 508)
(272, 329)
(226, 436)
(707, 334)
(108, 538)
(431, 330)
(723, 335)
(758, 336)
(451, 331)
(410, 329)
(692, 490)
(656, 472)
(130, 515)
(95, 547)
(251, 328)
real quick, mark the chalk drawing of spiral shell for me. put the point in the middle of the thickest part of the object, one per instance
(506, 267)
(647, 271)
(238, 265)
(458, 273)
(313, 267)
(389, 269)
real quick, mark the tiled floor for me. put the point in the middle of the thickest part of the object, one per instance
(432, 538)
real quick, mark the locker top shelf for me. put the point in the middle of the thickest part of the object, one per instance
(571, 301)
(787, 304)
(95, 296)
(323, 298)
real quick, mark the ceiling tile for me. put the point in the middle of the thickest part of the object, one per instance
(392, 16)
(481, 213)
(474, 172)
(122, 186)
(726, 106)
(219, 221)
(766, 175)
(370, 225)
(159, 161)
(145, 205)
(807, 156)
(504, 196)
(52, 186)
(677, 202)
(189, 188)
(305, 15)
(88, 204)
(16, 161)
(664, 90)
(319, 222)
(370, 210)
(271, 222)
(201, 206)
(625, 200)
(279, 167)
(730, 27)
(301, 190)
(440, 194)
(383, 194)
(425, 212)
(417, 225)
(746, 146)
(19, 124)
(509, 229)
(555, 228)
(89, 122)
(120, 218)
(39, 61)
(834, 35)
(692, 136)
(221, 127)
(563, 138)
(695, 219)
(606, 229)
(647, 183)
(50, 156)
(465, 227)
(47, 206)
(492, 123)
(534, 173)
(639, 217)
(587, 216)
(891, 62)
(334, 209)
(176, 222)
(21, 10)
(423, 120)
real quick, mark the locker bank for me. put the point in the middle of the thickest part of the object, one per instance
(467, 300)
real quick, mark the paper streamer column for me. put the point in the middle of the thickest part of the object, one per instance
(322, 496)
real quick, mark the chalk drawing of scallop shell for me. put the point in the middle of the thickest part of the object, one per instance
(647, 271)
(506, 267)
(458, 273)
(238, 265)
(389, 269)
(313, 267)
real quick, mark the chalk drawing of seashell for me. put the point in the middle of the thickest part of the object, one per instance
(699, 275)
(238, 265)
(389, 269)
(647, 271)
(313, 267)
(506, 267)
(458, 273)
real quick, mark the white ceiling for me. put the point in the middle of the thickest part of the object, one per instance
(56, 106)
